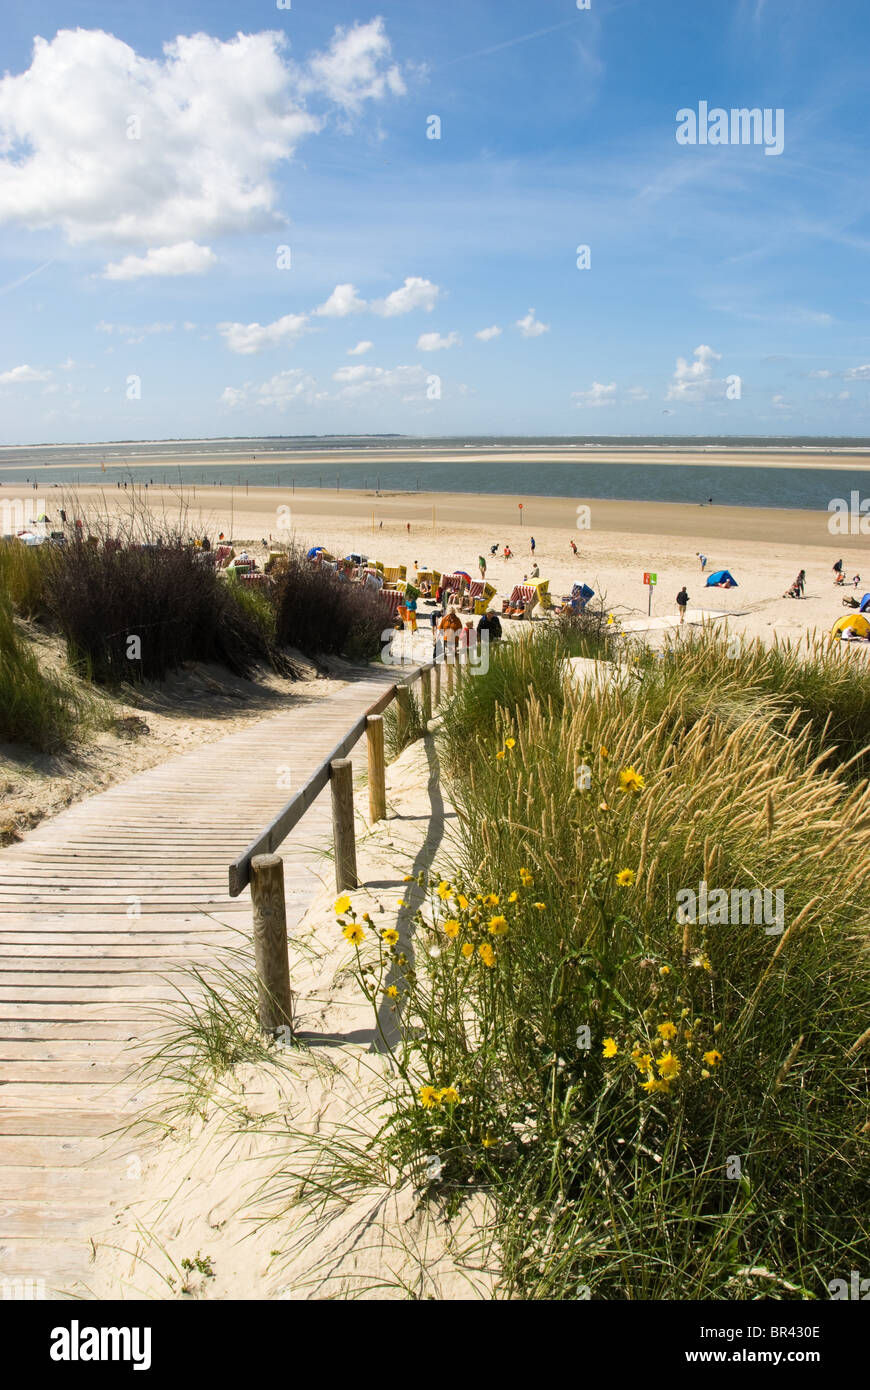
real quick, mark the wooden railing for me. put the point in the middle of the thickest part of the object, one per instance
(263, 869)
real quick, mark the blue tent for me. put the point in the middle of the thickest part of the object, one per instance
(721, 579)
(864, 605)
(315, 550)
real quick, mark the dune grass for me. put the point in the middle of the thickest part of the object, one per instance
(660, 1108)
(37, 709)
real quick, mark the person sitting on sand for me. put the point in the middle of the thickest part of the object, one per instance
(683, 603)
(536, 573)
(856, 580)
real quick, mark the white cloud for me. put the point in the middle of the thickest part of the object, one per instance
(110, 145)
(124, 329)
(344, 300)
(486, 334)
(694, 381)
(16, 375)
(253, 337)
(821, 375)
(858, 373)
(414, 294)
(280, 391)
(352, 70)
(364, 346)
(844, 396)
(530, 327)
(408, 382)
(597, 395)
(779, 402)
(638, 393)
(432, 342)
(185, 258)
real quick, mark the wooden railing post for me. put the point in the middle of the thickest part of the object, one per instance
(426, 696)
(403, 712)
(436, 685)
(377, 782)
(344, 839)
(275, 1001)
(449, 672)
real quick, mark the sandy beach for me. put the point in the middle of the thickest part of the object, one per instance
(617, 541)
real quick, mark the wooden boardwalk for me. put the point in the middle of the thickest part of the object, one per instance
(99, 908)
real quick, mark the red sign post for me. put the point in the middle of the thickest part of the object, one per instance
(520, 505)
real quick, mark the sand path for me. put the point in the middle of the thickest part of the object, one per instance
(99, 908)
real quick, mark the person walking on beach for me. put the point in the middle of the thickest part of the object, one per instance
(573, 545)
(408, 527)
(507, 552)
(532, 543)
(801, 583)
(481, 565)
(703, 559)
(682, 603)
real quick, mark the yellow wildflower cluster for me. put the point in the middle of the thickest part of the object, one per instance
(657, 1061)
(502, 753)
(431, 1097)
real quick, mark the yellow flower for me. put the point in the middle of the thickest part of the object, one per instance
(630, 780)
(712, 1058)
(448, 1095)
(625, 878)
(400, 902)
(667, 1030)
(489, 1141)
(609, 618)
(512, 897)
(392, 992)
(487, 954)
(526, 878)
(342, 905)
(510, 743)
(498, 926)
(652, 1085)
(391, 936)
(429, 1097)
(500, 754)
(451, 927)
(602, 752)
(669, 1066)
(664, 970)
(467, 949)
(353, 932)
(610, 1048)
(407, 878)
(491, 900)
(643, 1061)
(463, 901)
(443, 890)
(542, 907)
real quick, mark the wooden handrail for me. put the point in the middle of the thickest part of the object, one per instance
(291, 814)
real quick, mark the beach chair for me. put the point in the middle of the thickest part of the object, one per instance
(522, 601)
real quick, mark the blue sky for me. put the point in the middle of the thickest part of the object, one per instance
(153, 164)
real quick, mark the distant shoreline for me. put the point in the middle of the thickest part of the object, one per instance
(726, 458)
